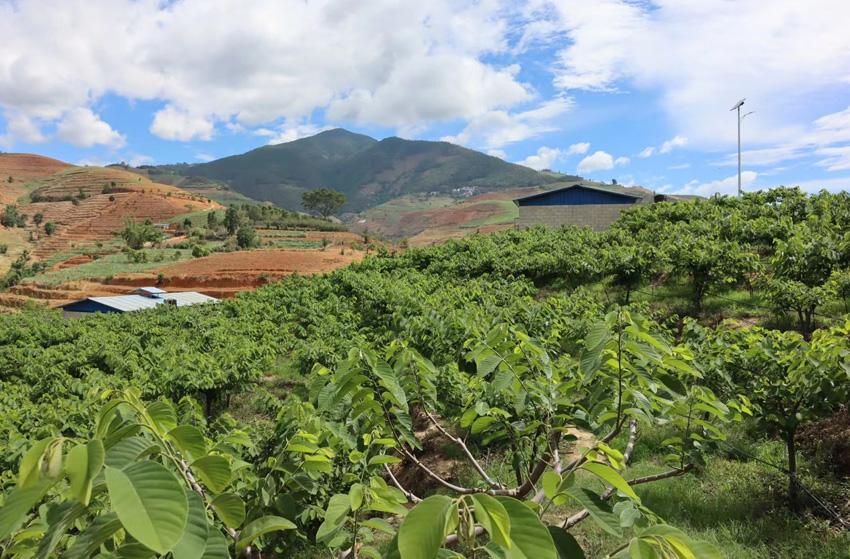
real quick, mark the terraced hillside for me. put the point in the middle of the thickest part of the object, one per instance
(18, 170)
(90, 181)
(99, 217)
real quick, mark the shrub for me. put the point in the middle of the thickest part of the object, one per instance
(4, 248)
(49, 227)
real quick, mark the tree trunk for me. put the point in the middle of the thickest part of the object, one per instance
(793, 489)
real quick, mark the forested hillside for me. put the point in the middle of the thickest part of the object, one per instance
(532, 394)
(367, 171)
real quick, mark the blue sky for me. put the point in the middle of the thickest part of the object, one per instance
(627, 89)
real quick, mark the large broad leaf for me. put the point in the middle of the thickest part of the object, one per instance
(17, 504)
(217, 547)
(190, 440)
(335, 515)
(30, 467)
(214, 471)
(127, 451)
(60, 518)
(82, 465)
(230, 509)
(612, 478)
(566, 544)
(194, 541)
(493, 517)
(101, 529)
(423, 530)
(598, 509)
(163, 416)
(529, 537)
(260, 526)
(150, 503)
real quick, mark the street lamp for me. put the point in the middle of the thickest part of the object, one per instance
(737, 107)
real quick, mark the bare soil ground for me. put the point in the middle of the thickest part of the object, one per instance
(23, 168)
(221, 275)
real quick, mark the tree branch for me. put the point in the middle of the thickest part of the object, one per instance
(458, 441)
(409, 494)
(581, 515)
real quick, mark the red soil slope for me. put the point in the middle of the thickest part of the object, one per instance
(97, 218)
(23, 168)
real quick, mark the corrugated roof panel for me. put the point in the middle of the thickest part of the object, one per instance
(126, 303)
(150, 290)
(188, 298)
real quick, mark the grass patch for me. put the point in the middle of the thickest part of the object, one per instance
(508, 213)
(110, 265)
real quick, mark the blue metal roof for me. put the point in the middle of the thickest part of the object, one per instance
(149, 290)
(579, 194)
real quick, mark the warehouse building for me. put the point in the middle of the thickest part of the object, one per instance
(139, 299)
(582, 205)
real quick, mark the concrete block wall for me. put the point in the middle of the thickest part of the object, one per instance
(595, 216)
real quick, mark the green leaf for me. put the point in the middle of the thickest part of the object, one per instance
(640, 549)
(190, 440)
(150, 503)
(260, 526)
(423, 530)
(230, 509)
(493, 517)
(217, 547)
(101, 529)
(612, 478)
(355, 496)
(550, 481)
(60, 517)
(163, 416)
(599, 511)
(214, 471)
(194, 541)
(29, 471)
(127, 451)
(134, 550)
(17, 504)
(379, 524)
(82, 466)
(486, 362)
(384, 459)
(566, 544)
(529, 537)
(338, 507)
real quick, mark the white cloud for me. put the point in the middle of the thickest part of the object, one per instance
(672, 143)
(498, 153)
(495, 129)
(776, 54)
(290, 133)
(20, 127)
(622, 160)
(383, 62)
(543, 159)
(646, 152)
(599, 161)
(204, 157)
(578, 149)
(837, 158)
(729, 185)
(679, 167)
(82, 128)
(172, 123)
(140, 159)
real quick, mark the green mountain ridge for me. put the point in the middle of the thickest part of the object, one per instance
(368, 171)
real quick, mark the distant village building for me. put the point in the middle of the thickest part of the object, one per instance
(139, 299)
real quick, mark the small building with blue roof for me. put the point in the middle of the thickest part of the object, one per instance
(139, 299)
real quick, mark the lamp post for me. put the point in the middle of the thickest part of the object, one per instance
(737, 107)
